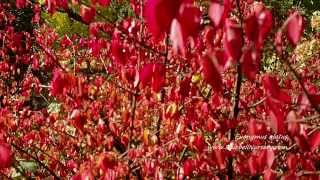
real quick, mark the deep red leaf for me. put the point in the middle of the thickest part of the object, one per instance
(269, 174)
(218, 12)
(87, 13)
(314, 140)
(118, 51)
(220, 157)
(159, 15)
(158, 77)
(199, 143)
(250, 27)
(232, 40)
(188, 167)
(292, 161)
(302, 142)
(273, 90)
(185, 87)
(211, 73)
(104, 3)
(264, 21)
(189, 18)
(176, 36)
(21, 4)
(253, 165)
(250, 61)
(277, 117)
(152, 74)
(65, 42)
(295, 27)
(5, 155)
(293, 127)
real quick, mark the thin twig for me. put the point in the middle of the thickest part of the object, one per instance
(236, 100)
(37, 160)
(297, 76)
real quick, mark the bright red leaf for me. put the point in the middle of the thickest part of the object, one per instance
(295, 27)
(314, 140)
(211, 72)
(5, 155)
(250, 61)
(87, 13)
(219, 11)
(104, 3)
(159, 15)
(233, 40)
(152, 74)
(273, 90)
(21, 4)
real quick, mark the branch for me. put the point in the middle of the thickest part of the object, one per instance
(37, 160)
(297, 76)
(254, 104)
(235, 109)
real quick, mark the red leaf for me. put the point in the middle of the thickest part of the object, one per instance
(185, 87)
(292, 161)
(232, 40)
(269, 174)
(220, 158)
(65, 42)
(188, 167)
(189, 18)
(278, 42)
(211, 73)
(21, 4)
(302, 142)
(158, 79)
(270, 157)
(51, 6)
(222, 58)
(295, 27)
(209, 34)
(106, 161)
(315, 99)
(177, 37)
(277, 117)
(266, 158)
(252, 127)
(153, 74)
(218, 12)
(290, 176)
(84, 175)
(145, 74)
(199, 142)
(118, 51)
(273, 90)
(314, 140)
(87, 13)
(264, 20)
(78, 119)
(5, 155)
(159, 15)
(104, 3)
(250, 27)
(250, 63)
(58, 83)
(293, 127)
(253, 165)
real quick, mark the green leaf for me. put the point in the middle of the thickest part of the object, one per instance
(30, 166)
(54, 107)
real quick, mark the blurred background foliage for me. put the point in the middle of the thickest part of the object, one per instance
(64, 25)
